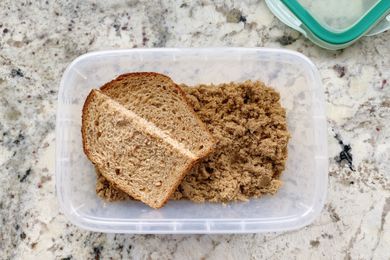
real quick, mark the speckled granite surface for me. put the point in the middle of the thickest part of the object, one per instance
(38, 40)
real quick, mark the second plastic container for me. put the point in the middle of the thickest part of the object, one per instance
(333, 24)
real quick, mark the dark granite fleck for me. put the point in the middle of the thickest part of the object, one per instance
(97, 251)
(340, 70)
(286, 40)
(314, 243)
(345, 154)
(116, 26)
(326, 235)
(384, 82)
(16, 73)
(144, 40)
(333, 214)
(19, 139)
(28, 172)
(242, 19)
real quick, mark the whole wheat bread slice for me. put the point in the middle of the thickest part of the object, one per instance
(133, 151)
(158, 99)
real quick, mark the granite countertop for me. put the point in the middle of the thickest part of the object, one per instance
(38, 39)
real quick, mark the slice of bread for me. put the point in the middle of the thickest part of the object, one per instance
(140, 154)
(157, 99)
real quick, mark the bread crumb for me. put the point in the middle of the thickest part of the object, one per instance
(250, 127)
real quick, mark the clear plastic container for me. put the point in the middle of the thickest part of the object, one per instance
(333, 24)
(298, 202)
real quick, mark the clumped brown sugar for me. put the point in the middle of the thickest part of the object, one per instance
(249, 125)
(107, 190)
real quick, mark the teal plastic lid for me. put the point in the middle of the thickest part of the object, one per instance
(333, 24)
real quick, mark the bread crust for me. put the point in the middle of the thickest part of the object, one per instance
(83, 123)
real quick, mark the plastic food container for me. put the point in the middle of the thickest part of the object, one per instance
(333, 24)
(297, 203)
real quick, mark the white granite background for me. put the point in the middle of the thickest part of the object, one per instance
(38, 39)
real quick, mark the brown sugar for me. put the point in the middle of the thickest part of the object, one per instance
(250, 127)
(107, 190)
